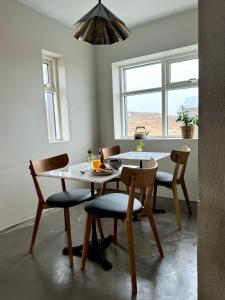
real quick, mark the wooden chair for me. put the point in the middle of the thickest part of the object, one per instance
(105, 154)
(168, 180)
(64, 199)
(125, 207)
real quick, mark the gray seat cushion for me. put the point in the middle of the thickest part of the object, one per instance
(112, 206)
(69, 198)
(163, 178)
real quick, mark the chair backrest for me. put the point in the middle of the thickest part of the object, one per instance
(107, 152)
(139, 178)
(180, 158)
(43, 165)
(49, 164)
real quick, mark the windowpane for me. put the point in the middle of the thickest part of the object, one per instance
(186, 97)
(49, 99)
(184, 70)
(144, 110)
(45, 73)
(144, 77)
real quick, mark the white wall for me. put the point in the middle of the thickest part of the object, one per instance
(166, 34)
(23, 131)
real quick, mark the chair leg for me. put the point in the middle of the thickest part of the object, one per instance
(154, 196)
(98, 220)
(117, 186)
(115, 231)
(35, 229)
(177, 206)
(103, 189)
(154, 230)
(86, 240)
(132, 263)
(68, 227)
(184, 188)
(65, 220)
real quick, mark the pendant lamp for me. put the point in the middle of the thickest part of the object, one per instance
(100, 27)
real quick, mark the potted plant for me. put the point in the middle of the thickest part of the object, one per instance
(140, 146)
(189, 123)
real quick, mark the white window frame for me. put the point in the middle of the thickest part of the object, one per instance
(53, 88)
(167, 85)
(174, 85)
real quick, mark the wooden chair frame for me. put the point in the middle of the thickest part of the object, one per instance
(36, 167)
(133, 179)
(180, 158)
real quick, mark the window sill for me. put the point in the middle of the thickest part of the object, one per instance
(155, 139)
(57, 142)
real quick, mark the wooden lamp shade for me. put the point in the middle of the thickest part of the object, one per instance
(100, 27)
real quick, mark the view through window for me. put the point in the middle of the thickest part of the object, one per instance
(153, 92)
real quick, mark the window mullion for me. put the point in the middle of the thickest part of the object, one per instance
(182, 85)
(141, 92)
(164, 101)
(122, 104)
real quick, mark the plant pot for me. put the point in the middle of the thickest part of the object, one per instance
(187, 131)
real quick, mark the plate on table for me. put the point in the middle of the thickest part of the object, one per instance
(102, 172)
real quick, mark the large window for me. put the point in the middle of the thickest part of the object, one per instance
(152, 92)
(55, 97)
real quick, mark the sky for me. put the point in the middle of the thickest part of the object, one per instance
(149, 76)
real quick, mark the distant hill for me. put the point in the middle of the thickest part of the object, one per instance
(153, 123)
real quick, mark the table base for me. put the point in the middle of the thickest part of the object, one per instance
(95, 252)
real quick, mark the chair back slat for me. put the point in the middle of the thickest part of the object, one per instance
(49, 164)
(107, 152)
(44, 165)
(144, 176)
(138, 178)
(180, 157)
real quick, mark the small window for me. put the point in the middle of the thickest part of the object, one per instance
(143, 77)
(56, 110)
(188, 98)
(184, 70)
(144, 110)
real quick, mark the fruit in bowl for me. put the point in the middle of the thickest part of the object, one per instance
(102, 166)
(115, 163)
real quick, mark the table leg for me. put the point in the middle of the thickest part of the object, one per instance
(96, 247)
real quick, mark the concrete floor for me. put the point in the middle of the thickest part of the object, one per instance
(46, 273)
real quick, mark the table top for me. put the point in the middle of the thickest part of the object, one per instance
(79, 172)
(144, 156)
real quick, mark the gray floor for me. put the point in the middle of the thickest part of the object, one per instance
(46, 274)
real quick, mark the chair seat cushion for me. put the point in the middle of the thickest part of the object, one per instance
(112, 206)
(164, 178)
(69, 198)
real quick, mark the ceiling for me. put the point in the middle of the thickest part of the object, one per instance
(132, 12)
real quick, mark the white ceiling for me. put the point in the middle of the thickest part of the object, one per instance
(132, 12)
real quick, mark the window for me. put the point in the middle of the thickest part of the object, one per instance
(55, 101)
(153, 91)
